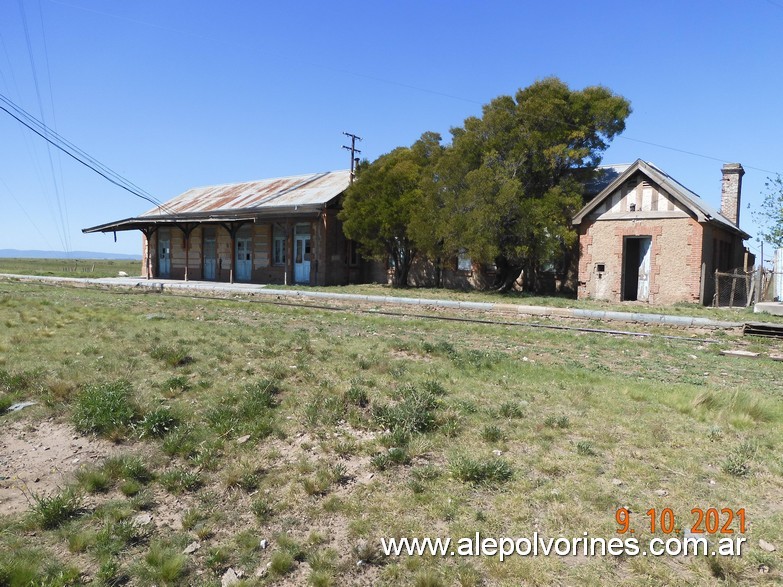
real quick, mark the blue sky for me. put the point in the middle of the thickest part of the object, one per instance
(174, 94)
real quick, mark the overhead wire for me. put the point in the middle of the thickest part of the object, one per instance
(41, 129)
(54, 113)
(26, 136)
(58, 197)
(61, 143)
(24, 211)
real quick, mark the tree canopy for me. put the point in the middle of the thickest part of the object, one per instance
(381, 209)
(770, 216)
(503, 192)
(515, 175)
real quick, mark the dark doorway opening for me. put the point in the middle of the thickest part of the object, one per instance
(636, 268)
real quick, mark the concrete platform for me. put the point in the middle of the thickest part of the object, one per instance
(314, 294)
(775, 308)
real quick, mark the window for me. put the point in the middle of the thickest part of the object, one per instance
(600, 267)
(464, 263)
(278, 245)
(353, 253)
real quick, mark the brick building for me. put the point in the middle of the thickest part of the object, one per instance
(646, 237)
(281, 230)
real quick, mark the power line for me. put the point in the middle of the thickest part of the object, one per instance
(24, 210)
(58, 199)
(54, 113)
(27, 139)
(94, 162)
(382, 80)
(694, 154)
(51, 137)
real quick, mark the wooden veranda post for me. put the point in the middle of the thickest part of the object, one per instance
(148, 232)
(186, 230)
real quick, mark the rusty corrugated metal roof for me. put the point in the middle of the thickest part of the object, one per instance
(282, 192)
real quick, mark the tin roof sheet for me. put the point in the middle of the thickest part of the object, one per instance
(282, 192)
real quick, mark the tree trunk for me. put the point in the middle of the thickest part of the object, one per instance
(507, 274)
(400, 275)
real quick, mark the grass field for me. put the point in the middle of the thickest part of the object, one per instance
(110, 268)
(235, 422)
(70, 267)
(556, 301)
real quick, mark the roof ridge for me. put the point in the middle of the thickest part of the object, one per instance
(266, 179)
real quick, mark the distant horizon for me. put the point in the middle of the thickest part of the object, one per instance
(74, 255)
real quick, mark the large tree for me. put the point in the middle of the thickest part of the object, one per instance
(512, 179)
(381, 209)
(770, 216)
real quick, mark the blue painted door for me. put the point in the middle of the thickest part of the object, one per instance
(244, 256)
(164, 254)
(210, 254)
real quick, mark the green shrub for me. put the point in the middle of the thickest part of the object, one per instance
(292, 547)
(180, 480)
(282, 563)
(163, 565)
(262, 509)
(414, 413)
(450, 423)
(105, 408)
(21, 382)
(368, 552)
(480, 472)
(128, 467)
(93, 480)
(397, 437)
(322, 578)
(737, 462)
(428, 578)
(259, 398)
(394, 456)
(172, 356)
(585, 448)
(217, 559)
(114, 537)
(130, 487)
(511, 410)
(381, 461)
(357, 396)
(492, 433)
(53, 511)
(175, 384)
(557, 422)
(223, 418)
(158, 423)
(34, 568)
(434, 387)
(111, 574)
(324, 409)
(6, 402)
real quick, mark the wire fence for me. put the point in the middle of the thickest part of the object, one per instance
(739, 288)
(733, 288)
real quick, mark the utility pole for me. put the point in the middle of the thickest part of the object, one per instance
(353, 150)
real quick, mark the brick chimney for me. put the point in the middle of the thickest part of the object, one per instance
(731, 188)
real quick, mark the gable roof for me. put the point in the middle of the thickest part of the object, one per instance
(242, 201)
(618, 174)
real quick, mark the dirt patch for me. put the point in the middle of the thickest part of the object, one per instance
(41, 458)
